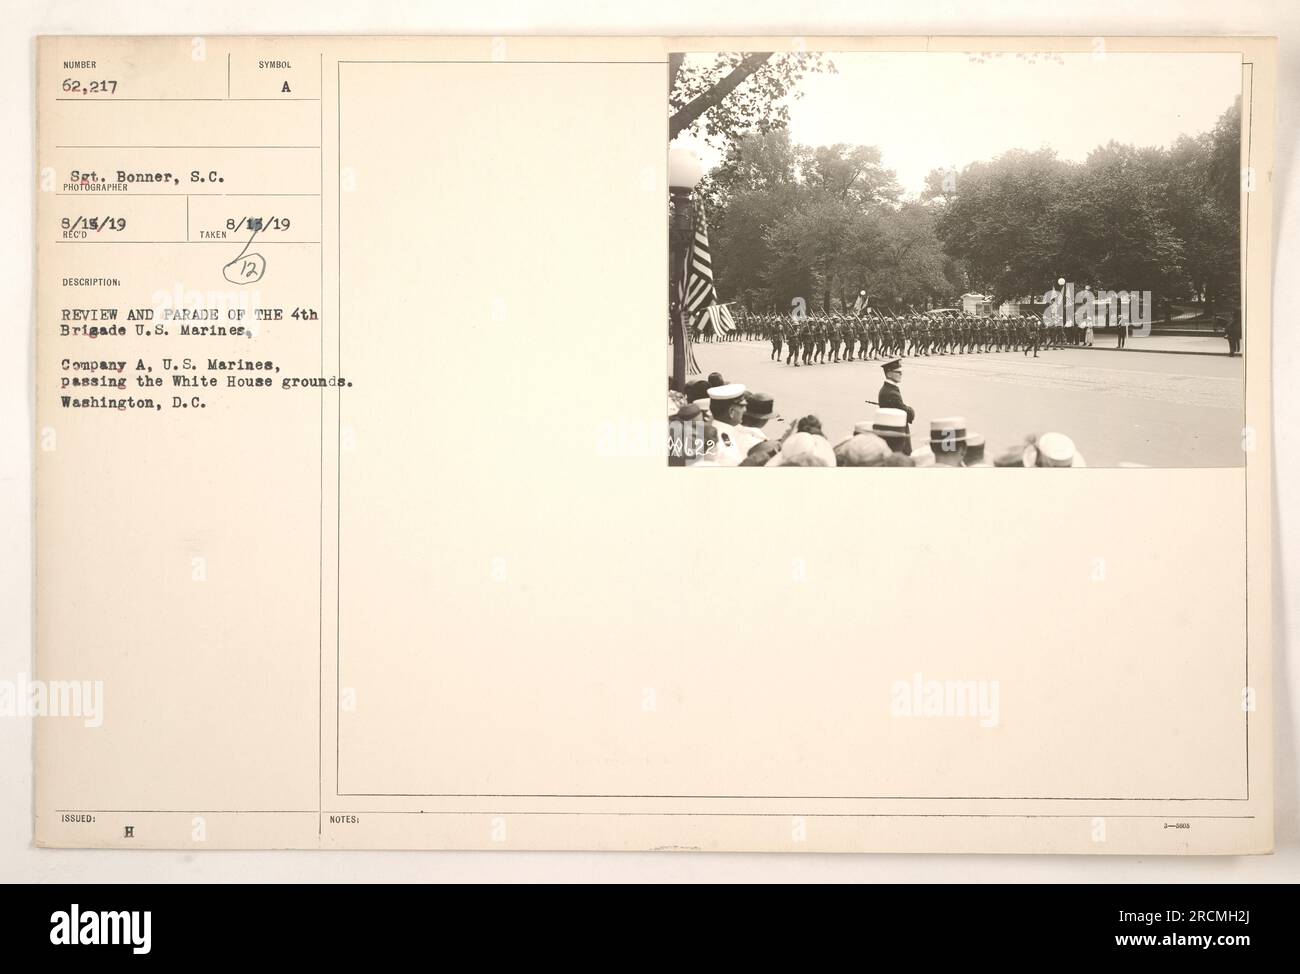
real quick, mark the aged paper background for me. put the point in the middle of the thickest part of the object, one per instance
(535, 586)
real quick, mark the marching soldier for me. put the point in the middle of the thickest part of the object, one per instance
(1031, 337)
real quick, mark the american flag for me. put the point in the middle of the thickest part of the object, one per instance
(719, 317)
(700, 294)
(679, 299)
(692, 366)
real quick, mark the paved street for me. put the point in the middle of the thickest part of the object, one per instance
(1119, 407)
(1202, 344)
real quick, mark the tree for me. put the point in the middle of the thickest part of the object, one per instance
(909, 266)
(1222, 213)
(754, 186)
(830, 238)
(940, 189)
(1223, 172)
(754, 161)
(1163, 220)
(1117, 235)
(819, 223)
(746, 266)
(852, 174)
(735, 93)
(1004, 222)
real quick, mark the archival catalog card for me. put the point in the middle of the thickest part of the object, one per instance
(374, 376)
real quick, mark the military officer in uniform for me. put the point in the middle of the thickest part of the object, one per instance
(890, 396)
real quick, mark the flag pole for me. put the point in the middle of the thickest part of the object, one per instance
(681, 228)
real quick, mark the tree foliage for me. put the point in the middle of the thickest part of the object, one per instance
(734, 93)
(820, 223)
(826, 222)
(1159, 219)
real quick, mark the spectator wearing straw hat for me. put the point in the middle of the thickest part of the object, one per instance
(862, 449)
(948, 441)
(891, 425)
(804, 450)
(1053, 450)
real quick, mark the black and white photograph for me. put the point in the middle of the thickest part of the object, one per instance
(1001, 259)
(343, 552)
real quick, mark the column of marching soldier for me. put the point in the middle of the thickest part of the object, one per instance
(816, 339)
